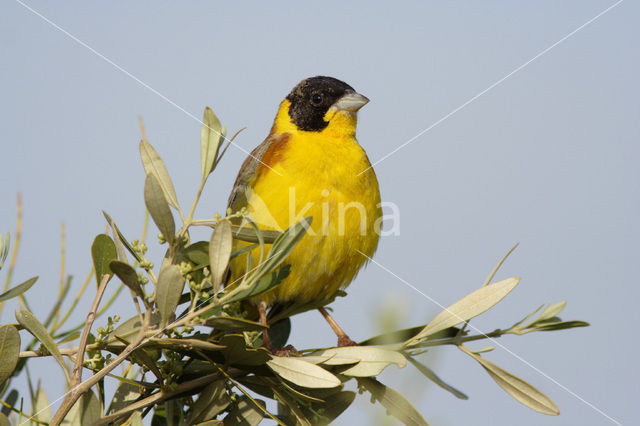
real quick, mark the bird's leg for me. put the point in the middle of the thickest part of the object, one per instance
(343, 339)
(262, 309)
(287, 350)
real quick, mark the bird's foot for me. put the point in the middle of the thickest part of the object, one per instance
(287, 351)
(345, 341)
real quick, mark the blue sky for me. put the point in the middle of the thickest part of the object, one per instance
(547, 158)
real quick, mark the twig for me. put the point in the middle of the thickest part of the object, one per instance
(76, 392)
(91, 316)
(16, 244)
(158, 397)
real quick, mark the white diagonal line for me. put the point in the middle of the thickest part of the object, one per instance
(494, 341)
(136, 79)
(422, 132)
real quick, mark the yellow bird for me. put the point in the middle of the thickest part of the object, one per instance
(311, 164)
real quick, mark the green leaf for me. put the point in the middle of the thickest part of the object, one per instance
(220, 248)
(303, 373)
(198, 253)
(237, 352)
(41, 409)
(369, 360)
(264, 284)
(153, 165)
(170, 285)
(289, 410)
(89, 408)
(126, 393)
(248, 234)
(69, 337)
(184, 343)
(233, 324)
(136, 419)
(11, 400)
(18, 290)
(431, 375)
(4, 248)
(132, 326)
(127, 275)
(547, 316)
(9, 351)
(284, 245)
(210, 139)
(121, 238)
(561, 325)
(122, 255)
(466, 308)
(396, 404)
(399, 336)
(335, 405)
(33, 326)
(245, 413)
(158, 208)
(103, 251)
(522, 391)
(279, 332)
(211, 401)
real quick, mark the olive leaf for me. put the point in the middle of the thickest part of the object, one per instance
(127, 275)
(233, 324)
(86, 411)
(245, 413)
(132, 326)
(280, 249)
(9, 351)
(369, 361)
(103, 251)
(220, 248)
(466, 308)
(211, 401)
(396, 404)
(520, 390)
(18, 290)
(4, 249)
(121, 238)
(262, 285)
(158, 208)
(153, 165)
(11, 400)
(30, 322)
(248, 234)
(210, 138)
(303, 373)
(41, 409)
(335, 405)
(431, 375)
(170, 285)
(126, 392)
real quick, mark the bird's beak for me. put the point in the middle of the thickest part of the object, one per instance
(351, 102)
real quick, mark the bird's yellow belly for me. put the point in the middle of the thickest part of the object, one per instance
(345, 208)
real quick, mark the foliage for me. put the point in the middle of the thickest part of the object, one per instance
(195, 356)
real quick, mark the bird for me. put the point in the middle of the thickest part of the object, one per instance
(311, 164)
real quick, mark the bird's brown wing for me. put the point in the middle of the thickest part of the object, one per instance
(262, 158)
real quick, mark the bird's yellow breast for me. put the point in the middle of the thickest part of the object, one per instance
(317, 174)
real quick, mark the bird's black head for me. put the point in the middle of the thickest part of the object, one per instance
(312, 98)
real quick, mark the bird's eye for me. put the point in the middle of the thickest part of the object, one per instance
(316, 99)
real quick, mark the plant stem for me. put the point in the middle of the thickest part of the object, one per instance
(16, 245)
(75, 392)
(91, 316)
(158, 397)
